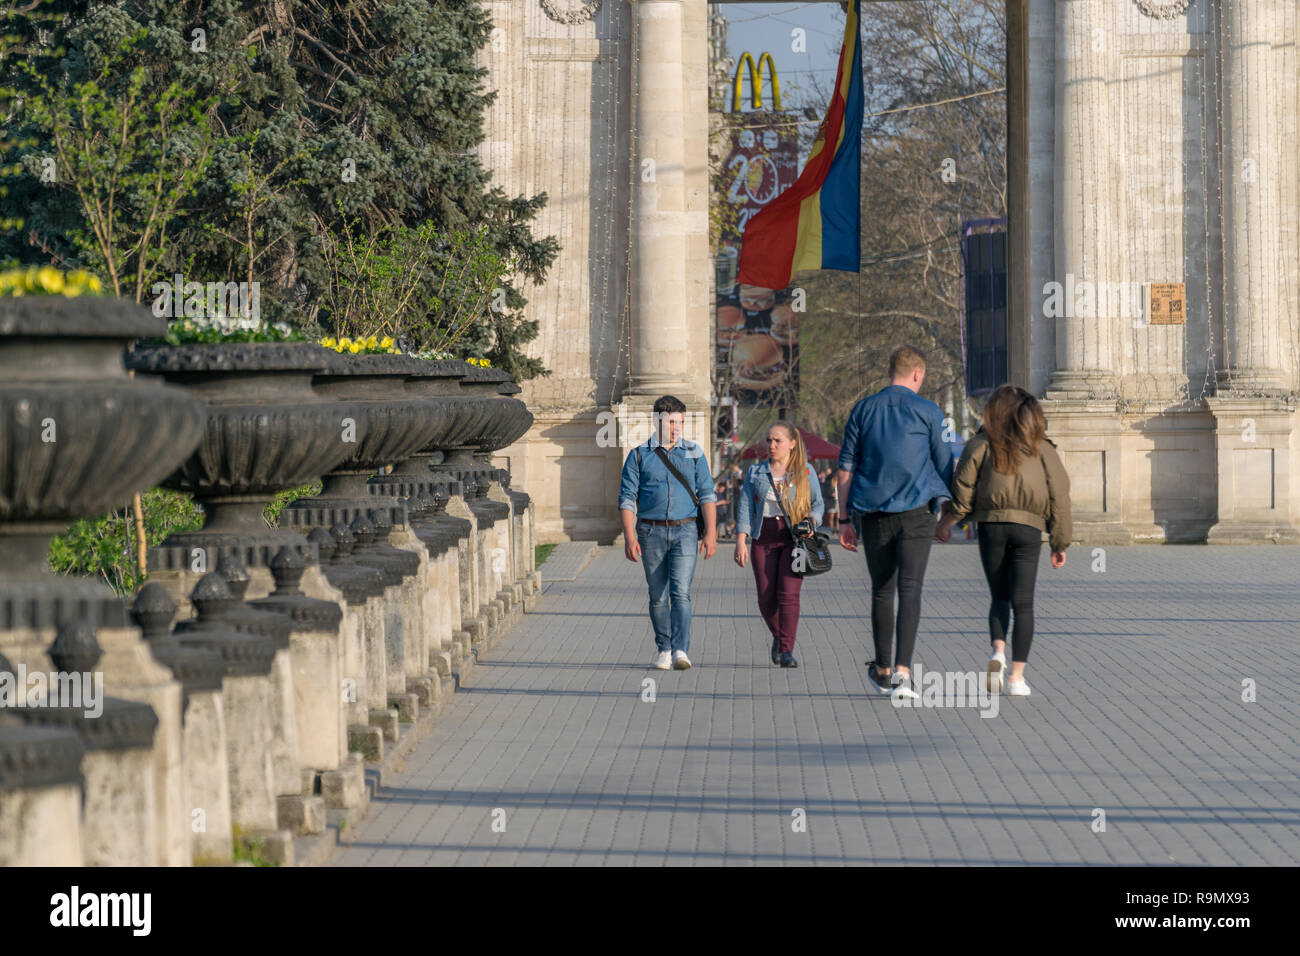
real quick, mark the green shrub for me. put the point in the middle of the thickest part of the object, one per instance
(101, 547)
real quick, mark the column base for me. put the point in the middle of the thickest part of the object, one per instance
(1100, 529)
(1254, 443)
(1252, 532)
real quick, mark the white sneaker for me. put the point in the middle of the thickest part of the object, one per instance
(903, 688)
(680, 661)
(997, 671)
(1017, 688)
(663, 661)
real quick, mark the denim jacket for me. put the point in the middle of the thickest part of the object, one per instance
(650, 490)
(749, 503)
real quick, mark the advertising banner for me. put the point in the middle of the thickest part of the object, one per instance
(757, 329)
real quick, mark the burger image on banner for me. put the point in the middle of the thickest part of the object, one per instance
(755, 298)
(785, 324)
(731, 323)
(758, 363)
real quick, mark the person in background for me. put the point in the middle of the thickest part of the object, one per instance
(724, 507)
(830, 495)
(1012, 482)
(784, 485)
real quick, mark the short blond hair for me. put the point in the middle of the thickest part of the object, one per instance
(904, 360)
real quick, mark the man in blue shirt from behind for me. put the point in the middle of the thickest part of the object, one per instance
(894, 467)
(658, 512)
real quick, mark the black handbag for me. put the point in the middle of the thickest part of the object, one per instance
(811, 555)
(699, 512)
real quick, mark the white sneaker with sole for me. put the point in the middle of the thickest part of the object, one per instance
(1017, 688)
(997, 671)
(903, 688)
(680, 661)
(663, 661)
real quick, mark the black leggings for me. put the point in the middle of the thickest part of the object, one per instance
(1009, 553)
(897, 547)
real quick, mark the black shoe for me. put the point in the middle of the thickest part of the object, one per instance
(787, 660)
(882, 682)
(776, 650)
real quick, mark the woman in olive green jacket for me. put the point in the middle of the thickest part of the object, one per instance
(1011, 481)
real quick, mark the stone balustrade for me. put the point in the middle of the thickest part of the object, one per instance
(248, 684)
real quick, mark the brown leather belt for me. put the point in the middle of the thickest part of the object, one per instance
(671, 522)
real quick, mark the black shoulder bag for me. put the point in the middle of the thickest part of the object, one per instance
(811, 555)
(699, 512)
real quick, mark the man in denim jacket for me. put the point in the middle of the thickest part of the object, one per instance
(658, 516)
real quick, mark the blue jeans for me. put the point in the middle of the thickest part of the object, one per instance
(668, 556)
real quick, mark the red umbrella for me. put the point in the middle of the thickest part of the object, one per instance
(817, 447)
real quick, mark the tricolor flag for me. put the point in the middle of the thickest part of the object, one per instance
(816, 223)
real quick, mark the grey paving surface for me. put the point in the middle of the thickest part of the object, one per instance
(567, 560)
(1137, 673)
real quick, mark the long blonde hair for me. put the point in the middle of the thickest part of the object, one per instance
(797, 470)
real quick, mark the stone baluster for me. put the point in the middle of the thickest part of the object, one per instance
(204, 746)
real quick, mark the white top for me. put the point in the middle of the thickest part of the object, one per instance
(771, 507)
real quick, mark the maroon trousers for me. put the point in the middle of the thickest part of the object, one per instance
(778, 589)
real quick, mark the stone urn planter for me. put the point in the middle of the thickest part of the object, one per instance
(436, 383)
(77, 438)
(397, 422)
(503, 421)
(267, 431)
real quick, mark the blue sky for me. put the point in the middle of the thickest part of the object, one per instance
(766, 27)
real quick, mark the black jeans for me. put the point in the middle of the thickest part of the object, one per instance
(1009, 552)
(897, 547)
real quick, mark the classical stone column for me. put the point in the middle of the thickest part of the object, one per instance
(1255, 421)
(1252, 169)
(1081, 395)
(1084, 201)
(660, 349)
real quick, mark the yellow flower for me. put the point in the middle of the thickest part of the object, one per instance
(329, 342)
(372, 342)
(354, 348)
(50, 279)
(386, 342)
(345, 341)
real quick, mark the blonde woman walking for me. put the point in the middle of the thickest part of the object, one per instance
(1011, 480)
(778, 493)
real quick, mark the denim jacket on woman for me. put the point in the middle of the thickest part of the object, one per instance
(749, 503)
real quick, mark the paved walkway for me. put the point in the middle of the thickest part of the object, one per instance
(568, 560)
(1137, 711)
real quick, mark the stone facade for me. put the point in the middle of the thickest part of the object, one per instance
(1159, 155)
(1152, 147)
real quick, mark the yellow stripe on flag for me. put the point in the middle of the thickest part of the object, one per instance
(808, 245)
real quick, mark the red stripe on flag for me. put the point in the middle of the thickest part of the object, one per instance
(767, 247)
